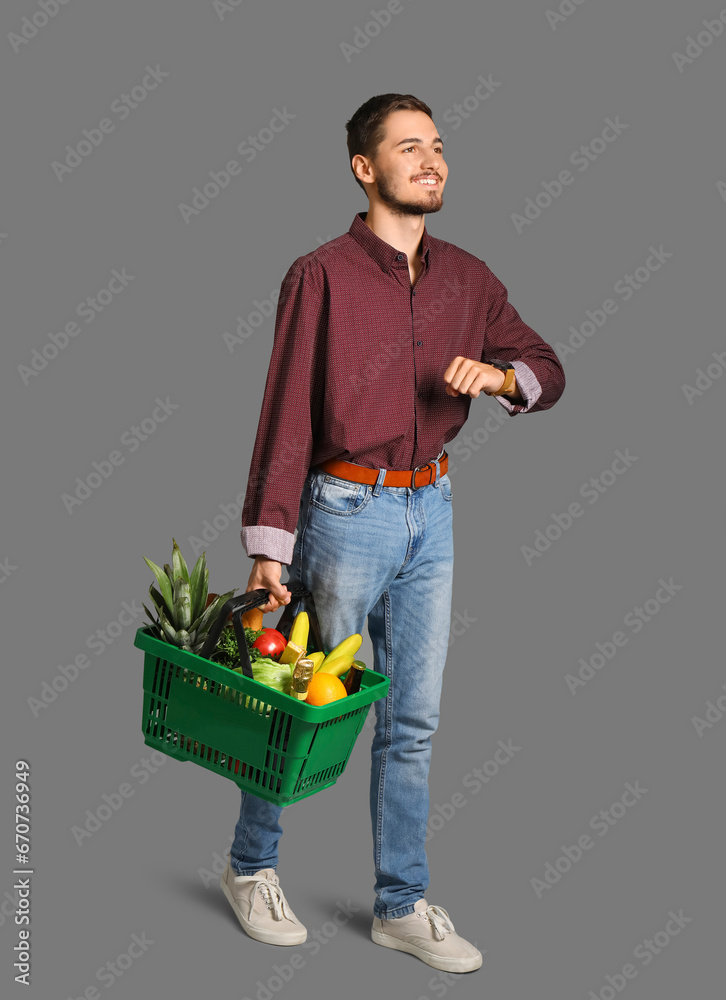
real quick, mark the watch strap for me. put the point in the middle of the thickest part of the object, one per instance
(507, 384)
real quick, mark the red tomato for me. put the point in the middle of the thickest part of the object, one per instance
(271, 643)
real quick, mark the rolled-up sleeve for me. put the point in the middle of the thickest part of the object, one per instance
(539, 372)
(291, 408)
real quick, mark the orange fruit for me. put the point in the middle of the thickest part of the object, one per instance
(324, 688)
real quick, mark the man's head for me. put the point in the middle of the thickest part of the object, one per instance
(393, 145)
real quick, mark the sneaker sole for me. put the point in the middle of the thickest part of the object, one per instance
(259, 933)
(444, 963)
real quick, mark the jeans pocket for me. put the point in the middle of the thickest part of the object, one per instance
(340, 496)
(445, 484)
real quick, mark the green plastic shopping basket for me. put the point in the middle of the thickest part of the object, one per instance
(267, 742)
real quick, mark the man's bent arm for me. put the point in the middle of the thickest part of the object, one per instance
(540, 377)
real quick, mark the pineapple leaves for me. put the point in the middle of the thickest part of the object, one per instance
(178, 564)
(159, 602)
(204, 623)
(168, 629)
(163, 580)
(180, 601)
(198, 586)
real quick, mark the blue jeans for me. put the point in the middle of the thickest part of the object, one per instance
(385, 553)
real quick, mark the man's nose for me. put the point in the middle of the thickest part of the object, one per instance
(432, 162)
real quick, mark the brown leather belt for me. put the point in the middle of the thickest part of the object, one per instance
(421, 476)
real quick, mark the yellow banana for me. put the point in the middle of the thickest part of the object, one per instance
(317, 659)
(340, 658)
(300, 629)
(338, 666)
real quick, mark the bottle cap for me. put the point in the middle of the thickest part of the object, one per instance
(304, 668)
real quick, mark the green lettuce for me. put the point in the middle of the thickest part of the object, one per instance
(270, 672)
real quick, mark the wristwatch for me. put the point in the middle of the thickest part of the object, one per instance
(509, 377)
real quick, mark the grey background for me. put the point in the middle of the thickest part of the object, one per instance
(143, 871)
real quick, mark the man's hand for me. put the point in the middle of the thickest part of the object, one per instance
(265, 575)
(472, 377)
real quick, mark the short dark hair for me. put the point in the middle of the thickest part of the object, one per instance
(367, 128)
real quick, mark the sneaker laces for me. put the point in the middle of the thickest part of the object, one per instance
(272, 894)
(439, 920)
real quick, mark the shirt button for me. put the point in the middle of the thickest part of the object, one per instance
(400, 256)
(419, 394)
(419, 342)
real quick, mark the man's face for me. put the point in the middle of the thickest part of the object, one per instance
(409, 168)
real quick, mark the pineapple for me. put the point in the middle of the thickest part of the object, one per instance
(183, 618)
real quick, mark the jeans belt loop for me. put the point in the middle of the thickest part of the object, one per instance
(438, 472)
(379, 482)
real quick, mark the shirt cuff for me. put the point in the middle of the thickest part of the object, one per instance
(272, 543)
(527, 384)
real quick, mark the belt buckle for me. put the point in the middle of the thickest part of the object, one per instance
(413, 475)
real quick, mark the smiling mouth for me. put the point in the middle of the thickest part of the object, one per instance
(430, 182)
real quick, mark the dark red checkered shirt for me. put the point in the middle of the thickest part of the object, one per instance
(357, 366)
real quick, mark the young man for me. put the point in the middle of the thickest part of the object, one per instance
(382, 338)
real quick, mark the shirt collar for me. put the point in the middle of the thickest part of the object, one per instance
(382, 253)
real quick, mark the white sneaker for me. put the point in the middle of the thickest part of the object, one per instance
(260, 906)
(429, 934)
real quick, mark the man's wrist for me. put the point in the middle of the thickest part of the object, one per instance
(507, 384)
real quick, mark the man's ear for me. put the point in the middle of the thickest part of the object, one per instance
(358, 159)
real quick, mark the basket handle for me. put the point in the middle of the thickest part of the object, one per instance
(254, 599)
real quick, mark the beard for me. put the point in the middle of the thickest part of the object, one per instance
(399, 207)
